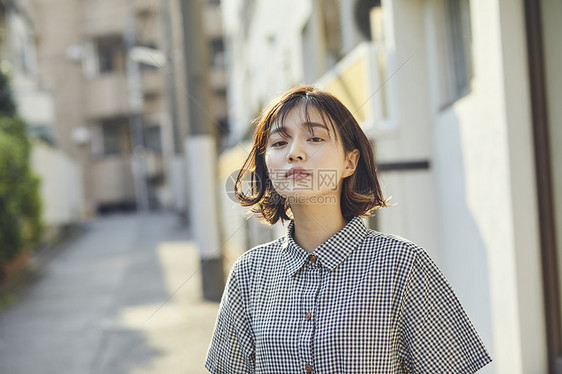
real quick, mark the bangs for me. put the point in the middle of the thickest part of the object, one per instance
(307, 103)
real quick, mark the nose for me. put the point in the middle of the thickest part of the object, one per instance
(296, 152)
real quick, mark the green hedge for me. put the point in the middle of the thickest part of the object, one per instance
(20, 203)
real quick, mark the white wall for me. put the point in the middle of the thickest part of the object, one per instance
(409, 139)
(475, 209)
(265, 60)
(487, 201)
(61, 185)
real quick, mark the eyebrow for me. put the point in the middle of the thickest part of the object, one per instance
(312, 124)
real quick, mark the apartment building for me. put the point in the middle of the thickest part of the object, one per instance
(458, 98)
(117, 71)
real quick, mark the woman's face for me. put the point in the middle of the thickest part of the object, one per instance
(320, 158)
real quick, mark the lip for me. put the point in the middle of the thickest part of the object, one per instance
(297, 173)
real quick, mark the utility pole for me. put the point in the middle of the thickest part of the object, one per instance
(170, 81)
(176, 163)
(136, 122)
(202, 152)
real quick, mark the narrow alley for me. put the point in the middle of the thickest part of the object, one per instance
(124, 297)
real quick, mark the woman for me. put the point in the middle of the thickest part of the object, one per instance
(331, 296)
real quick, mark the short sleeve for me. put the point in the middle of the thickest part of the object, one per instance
(438, 336)
(232, 347)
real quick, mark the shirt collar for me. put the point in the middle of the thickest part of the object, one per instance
(330, 253)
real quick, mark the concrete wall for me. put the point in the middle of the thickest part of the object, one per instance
(486, 195)
(552, 29)
(475, 209)
(61, 185)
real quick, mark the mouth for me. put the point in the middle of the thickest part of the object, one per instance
(295, 173)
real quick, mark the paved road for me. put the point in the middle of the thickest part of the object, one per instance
(125, 297)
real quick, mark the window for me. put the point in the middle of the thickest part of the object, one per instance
(331, 29)
(115, 135)
(28, 56)
(153, 138)
(362, 10)
(111, 54)
(455, 43)
(321, 40)
(216, 48)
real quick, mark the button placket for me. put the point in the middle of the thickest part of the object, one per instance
(312, 282)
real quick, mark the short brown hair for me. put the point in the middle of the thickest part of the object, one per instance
(361, 193)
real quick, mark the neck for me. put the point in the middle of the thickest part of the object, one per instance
(314, 224)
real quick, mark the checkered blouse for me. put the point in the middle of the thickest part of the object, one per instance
(362, 302)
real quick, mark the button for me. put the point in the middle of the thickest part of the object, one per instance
(308, 368)
(312, 258)
(308, 316)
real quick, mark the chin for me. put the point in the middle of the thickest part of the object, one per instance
(309, 197)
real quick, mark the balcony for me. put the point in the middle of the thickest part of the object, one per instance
(145, 7)
(107, 96)
(153, 81)
(103, 17)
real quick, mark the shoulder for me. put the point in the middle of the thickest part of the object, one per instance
(258, 255)
(385, 244)
(408, 255)
(253, 265)
(394, 249)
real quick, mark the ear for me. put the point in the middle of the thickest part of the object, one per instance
(351, 161)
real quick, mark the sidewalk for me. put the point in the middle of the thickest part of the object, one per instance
(123, 298)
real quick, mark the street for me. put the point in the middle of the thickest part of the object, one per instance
(123, 297)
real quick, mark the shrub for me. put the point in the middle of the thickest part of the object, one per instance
(20, 204)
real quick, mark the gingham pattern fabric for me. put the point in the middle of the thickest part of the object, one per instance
(362, 302)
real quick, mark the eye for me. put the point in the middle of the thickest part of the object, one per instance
(278, 144)
(316, 140)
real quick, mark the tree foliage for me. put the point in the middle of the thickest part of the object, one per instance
(20, 203)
